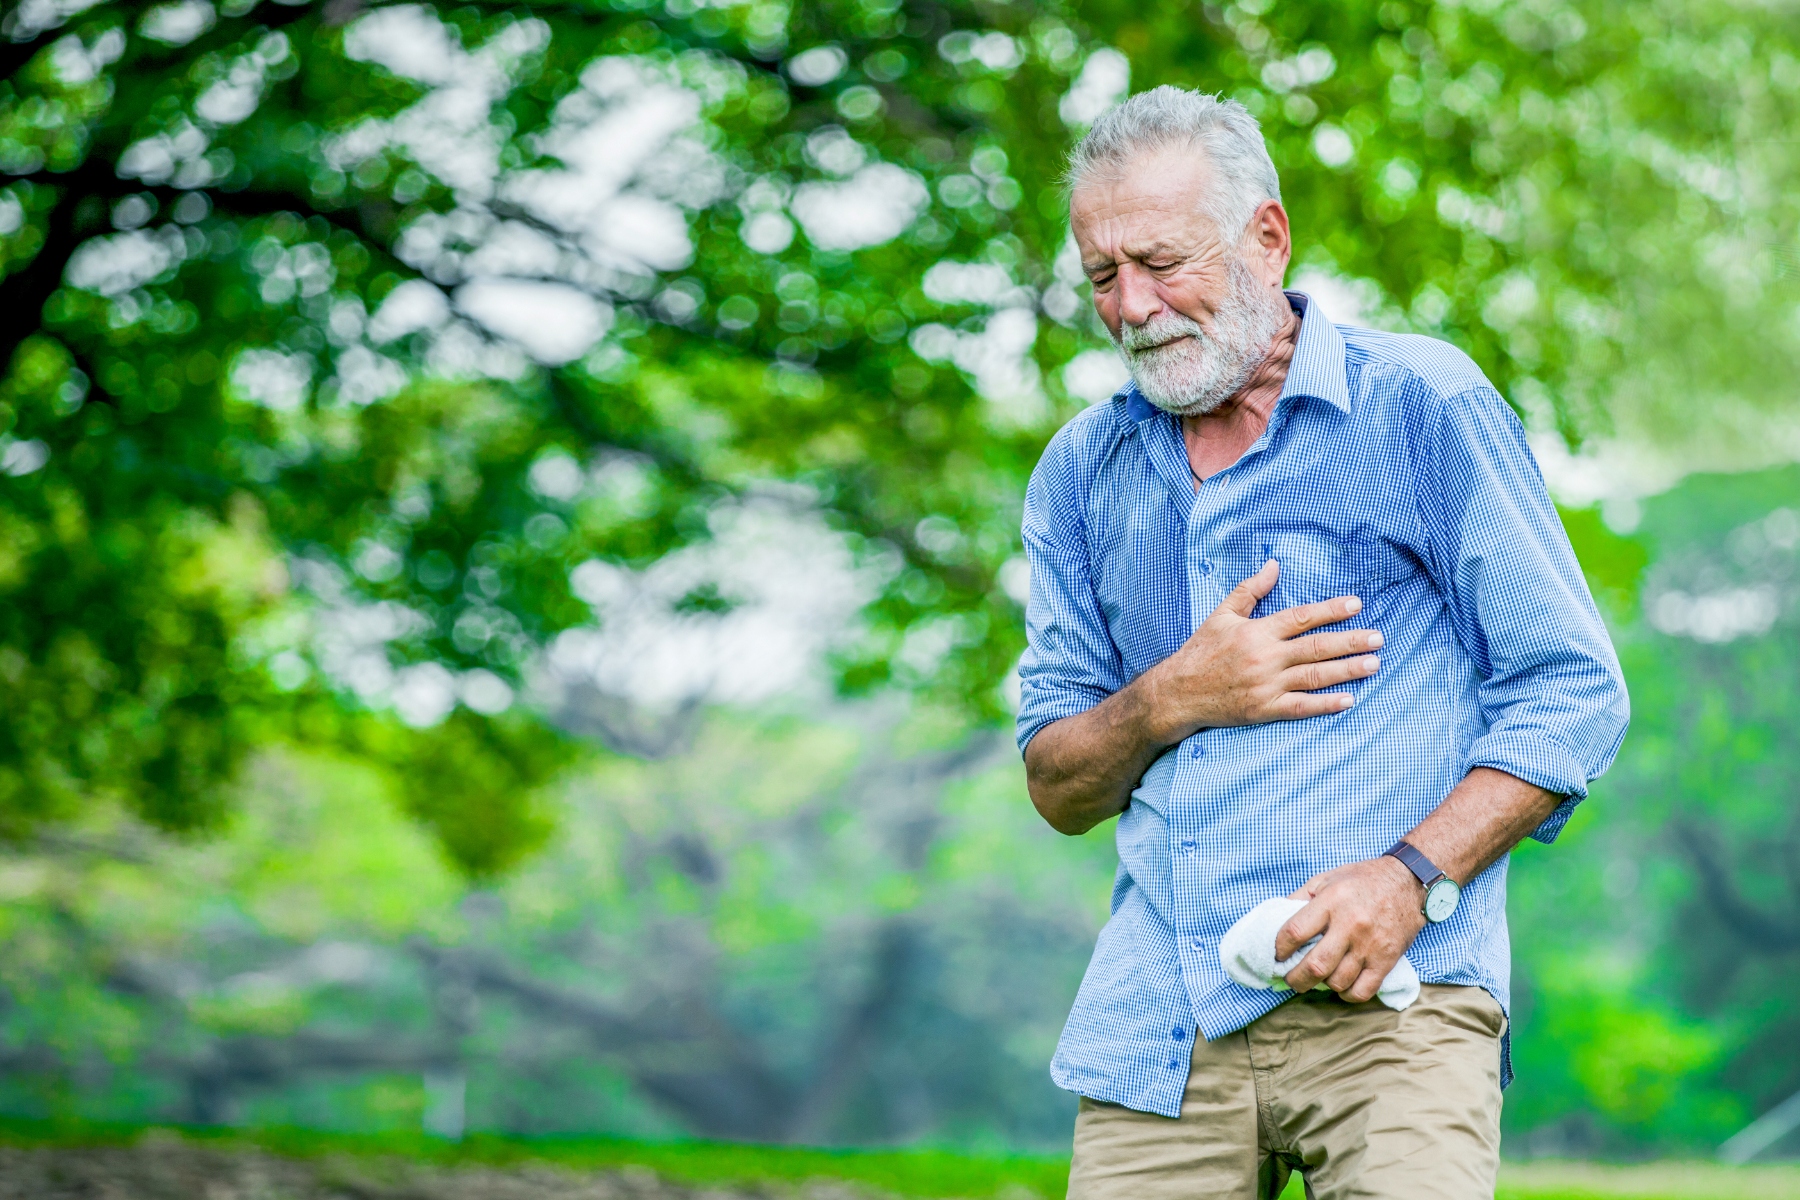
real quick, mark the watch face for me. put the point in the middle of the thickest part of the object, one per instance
(1441, 900)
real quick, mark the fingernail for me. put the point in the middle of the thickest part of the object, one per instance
(1346, 701)
(1374, 640)
(1372, 662)
(1353, 605)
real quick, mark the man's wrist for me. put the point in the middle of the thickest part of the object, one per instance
(1401, 873)
(1153, 708)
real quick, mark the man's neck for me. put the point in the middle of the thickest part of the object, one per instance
(1217, 439)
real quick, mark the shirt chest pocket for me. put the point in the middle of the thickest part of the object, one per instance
(1320, 564)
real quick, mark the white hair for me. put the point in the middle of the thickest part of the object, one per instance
(1168, 116)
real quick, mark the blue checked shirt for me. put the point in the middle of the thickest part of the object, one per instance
(1390, 470)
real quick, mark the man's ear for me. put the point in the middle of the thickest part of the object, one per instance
(1270, 240)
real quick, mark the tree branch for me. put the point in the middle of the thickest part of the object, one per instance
(16, 56)
(229, 1065)
(1760, 930)
(728, 1091)
(25, 292)
(896, 950)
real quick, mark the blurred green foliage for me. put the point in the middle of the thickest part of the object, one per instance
(1614, 565)
(821, 930)
(706, 936)
(1657, 1014)
(268, 460)
(1590, 197)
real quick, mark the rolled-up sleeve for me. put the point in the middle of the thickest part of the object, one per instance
(1070, 662)
(1553, 696)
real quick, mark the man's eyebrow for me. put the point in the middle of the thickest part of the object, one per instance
(1158, 250)
(1153, 250)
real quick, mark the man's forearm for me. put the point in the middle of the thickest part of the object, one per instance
(1367, 913)
(1081, 769)
(1233, 670)
(1483, 817)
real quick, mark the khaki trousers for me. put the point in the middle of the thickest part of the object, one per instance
(1362, 1100)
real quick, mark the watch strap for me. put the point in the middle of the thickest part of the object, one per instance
(1422, 868)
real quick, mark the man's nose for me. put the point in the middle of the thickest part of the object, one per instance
(1138, 301)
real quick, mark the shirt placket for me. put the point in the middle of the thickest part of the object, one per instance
(1204, 557)
(1207, 581)
(1208, 578)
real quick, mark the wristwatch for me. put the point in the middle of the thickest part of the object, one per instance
(1441, 891)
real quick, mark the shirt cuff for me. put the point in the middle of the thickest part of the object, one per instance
(1553, 824)
(1538, 759)
(1037, 712)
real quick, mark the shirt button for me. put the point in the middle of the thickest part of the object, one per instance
(1178, 1033)
(1189, 847)
(1196, 750)
(1205, 568)
(1198, 943)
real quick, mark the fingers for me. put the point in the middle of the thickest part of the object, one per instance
(1367, 985)
(1341, 968)
(1363, 927)
(1323, 647)
(1319, 963)
(1350, 969)
(1243, 598)
(1308, 890)
(1310, 677)
(1301, 928)
(1302, 617)
(1297, 706)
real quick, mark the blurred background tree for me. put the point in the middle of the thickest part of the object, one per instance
(445, 419)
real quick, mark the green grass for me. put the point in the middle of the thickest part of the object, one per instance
(1648, 1181)
(923, 1173)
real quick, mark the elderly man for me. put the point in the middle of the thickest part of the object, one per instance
(1408, 677)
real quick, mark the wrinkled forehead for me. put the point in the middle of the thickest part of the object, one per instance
(1159, 197)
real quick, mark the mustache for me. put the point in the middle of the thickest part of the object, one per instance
(1158, 331)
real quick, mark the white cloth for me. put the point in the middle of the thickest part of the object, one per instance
(1247, 952)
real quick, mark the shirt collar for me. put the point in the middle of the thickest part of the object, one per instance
(1317, 371)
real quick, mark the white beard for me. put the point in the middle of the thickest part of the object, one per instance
(1205, 369)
